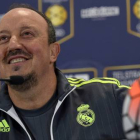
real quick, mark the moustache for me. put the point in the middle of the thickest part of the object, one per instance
(16, 52)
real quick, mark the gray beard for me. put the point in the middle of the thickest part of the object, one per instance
(30, 81)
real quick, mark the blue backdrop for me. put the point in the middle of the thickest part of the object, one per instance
(98, 37)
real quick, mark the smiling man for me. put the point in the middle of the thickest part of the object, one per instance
(47, 106)
(25, 51)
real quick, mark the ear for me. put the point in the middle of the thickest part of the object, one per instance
(54, 51)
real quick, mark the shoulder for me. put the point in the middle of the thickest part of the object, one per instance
(78, 82)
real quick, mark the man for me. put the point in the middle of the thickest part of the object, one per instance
(47, 105)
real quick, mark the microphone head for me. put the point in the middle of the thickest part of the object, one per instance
(16, 80)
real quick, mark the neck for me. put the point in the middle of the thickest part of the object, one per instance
(37, 96)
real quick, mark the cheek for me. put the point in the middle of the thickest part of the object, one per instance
(40, 52)
(2, 54)
(2, 64)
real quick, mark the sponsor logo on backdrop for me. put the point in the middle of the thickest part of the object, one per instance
(125, 74)
(100, 12)
(54, 1)
(84, 76)
(126, 77)
(61, 13)
(84, 73)
(57, 14)
(133, 17)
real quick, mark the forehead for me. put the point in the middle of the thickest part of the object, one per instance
(22, 16)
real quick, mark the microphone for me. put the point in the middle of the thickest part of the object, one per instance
(14, 80)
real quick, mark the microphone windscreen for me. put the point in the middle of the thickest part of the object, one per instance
(16, 80)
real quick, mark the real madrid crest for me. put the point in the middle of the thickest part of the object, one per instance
(86, 116)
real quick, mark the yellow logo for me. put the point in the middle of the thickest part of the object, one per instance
(136, 9)
(4, 127)
(57, 14)
(133, 17)
(86, 116)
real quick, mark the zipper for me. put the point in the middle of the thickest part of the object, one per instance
(11, 112)
(55, 111)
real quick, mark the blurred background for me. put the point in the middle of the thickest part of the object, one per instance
(99, 38)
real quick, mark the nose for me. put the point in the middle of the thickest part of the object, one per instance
(14, 43)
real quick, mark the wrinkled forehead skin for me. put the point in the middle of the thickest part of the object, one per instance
(22, 17)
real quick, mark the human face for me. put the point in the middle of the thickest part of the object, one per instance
(24, 44)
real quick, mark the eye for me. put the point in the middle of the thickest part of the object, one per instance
(27, 34)
(3, 39)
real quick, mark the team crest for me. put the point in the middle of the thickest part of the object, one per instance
(86, 116)
(61, 13)
(133, 17)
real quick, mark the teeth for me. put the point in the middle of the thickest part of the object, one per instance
(17, 60)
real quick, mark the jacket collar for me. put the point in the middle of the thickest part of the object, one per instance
(5, 101)
(63, 87)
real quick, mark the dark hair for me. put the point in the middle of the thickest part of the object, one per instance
(51, 31)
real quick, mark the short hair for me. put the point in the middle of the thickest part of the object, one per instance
(51, 30)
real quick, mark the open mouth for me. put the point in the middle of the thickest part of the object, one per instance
(16, 60)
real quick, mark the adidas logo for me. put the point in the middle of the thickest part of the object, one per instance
(4, 127)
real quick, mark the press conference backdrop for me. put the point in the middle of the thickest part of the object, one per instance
(98, 37)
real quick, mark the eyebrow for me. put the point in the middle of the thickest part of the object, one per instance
(27, 27)
(21, 28)
(4, 31)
